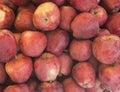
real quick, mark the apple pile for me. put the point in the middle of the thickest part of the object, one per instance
(59, 45)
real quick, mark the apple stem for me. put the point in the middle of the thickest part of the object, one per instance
(16, 57)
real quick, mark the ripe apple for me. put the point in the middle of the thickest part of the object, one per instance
(47, 67)
(58, 2)
(100, 13)
(8, 46)
(38, 2)
(106, 48)
(33, 43)
(70, 85)
(46, 16)
(85, 26)
(2, 74)
(103, 31)
(7, 16)
(57, 41)
(20, 68)
(84, 75)
(51, 87)
(20, 2)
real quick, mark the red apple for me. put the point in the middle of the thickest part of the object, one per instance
(100, 13)
(109, 76)
(17, 88)
(33, 43)
(106, 48)
(47, 67)
(85, 26)
(8, 46)
(20, 2)
(51, 87)
(80, 50)
(46, 17)
(67, 15)
(2, 74)
(103, 31)
(7, 16)
(70, 85)
(19, 69)
(84, 75)
(58, 2)
(37, 2)
(83, 5)
(65, 64)
(58, 40)
(113, 23)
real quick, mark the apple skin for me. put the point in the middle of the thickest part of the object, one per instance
(20, 2)
(112, 6)
(2, 74)
(20, 68)
(83, 6)
(109, 76)
(106, 48)
(65, 64)
(100, 13)
(103, 31)
(46, 16)
(80, 50)
(47, 67)
(85, 26)
(51, 87)
(58, 2)
(8, 45)
(7, 16)
(65, 22)
(113, 24)
(57, 41)
(28, 42)
(17, 88)
(70, 85)
(84, 75)
(38, 2)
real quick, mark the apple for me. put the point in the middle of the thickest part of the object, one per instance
(8, 45)
(112, 6)
(7, 16)
(83, 5)
(69, 85)
(3, 74)
(51, 87)
(85, 26)
(65, 22)
(65, 64)
(38, 2)
(103, 31)
(100, 13)
(80, 50)
(46, 16)
(20, 2)
(58, 2)
(19, 69)
(106, 48)
(17, 88)
(33, 43)
(109, 76)
(47, 67)
(84, 75)
(57, 41)
(113, 24)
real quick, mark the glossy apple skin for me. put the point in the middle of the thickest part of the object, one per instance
(2, 74)
(17, 88)
(47, 67)
(46, 16)
(85, 26)
(7, 51)
(19, 69)
(100, 13)
(84, 75)
(20, 2)
(28, 42)
(7, 16)
(106, 48)
(65, 22)
(57, 41)
(80, 50)
(70, 85)
(51, 87)
(113, 23)
(65, 64)
(83, 6)
(109, 76)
